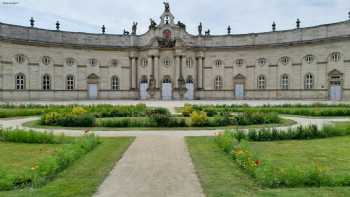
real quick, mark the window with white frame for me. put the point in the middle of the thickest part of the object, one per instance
(284, 82)
(167, 61)
(144, 62)
(20, 58)
(20, 81)
(70, 82)
(189, 62)
(335, 57)
(261, 82)
(309, 81)
(46, 82)
(219, 84)
(46, 60)
(115, 83)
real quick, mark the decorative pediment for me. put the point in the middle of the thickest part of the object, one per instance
(335, 72)
(239, 77)
(93, 76)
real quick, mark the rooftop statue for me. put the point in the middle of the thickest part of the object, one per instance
(134, 28)
(167, 7)
(153, 24)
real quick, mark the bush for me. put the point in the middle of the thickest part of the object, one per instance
(126, 122)
(187, 110)
(78, 117)
(225, 141)
(199, 119)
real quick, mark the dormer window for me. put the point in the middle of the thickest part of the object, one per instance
(166, 19)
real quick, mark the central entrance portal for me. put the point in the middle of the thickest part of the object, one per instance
(92, 87)
(143, 88)
(335, 85)
(167, 88)
(239, 83)
(190, 88)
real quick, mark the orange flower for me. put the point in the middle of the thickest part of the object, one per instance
(257, 162)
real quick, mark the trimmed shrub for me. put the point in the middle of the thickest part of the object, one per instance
(187, 110)
(199, 119)
(299, 133)
(21, 136)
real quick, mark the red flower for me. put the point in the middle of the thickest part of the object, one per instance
(257, 162)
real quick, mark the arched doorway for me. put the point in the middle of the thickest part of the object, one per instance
(335, 79)
(143, 88)
(239, 86)
(190, 88)
(167, 88)
(92, 82)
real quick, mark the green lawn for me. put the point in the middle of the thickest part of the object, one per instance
(331, 154)
(36, 124)
(17, 157)
(83, 177)
(221, 177)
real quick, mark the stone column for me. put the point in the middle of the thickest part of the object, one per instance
(150, 67)
(177, 71)
(157, 71)
(136, 73)
(199, 72)
(133, 73)
(130, 72)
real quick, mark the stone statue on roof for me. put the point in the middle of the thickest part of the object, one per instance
(167, 7)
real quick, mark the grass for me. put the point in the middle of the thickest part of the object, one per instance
(221, 177)
(331, 154)
(19, 156)
(83, 177)
(36, 124)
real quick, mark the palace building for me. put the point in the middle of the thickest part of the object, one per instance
(168, 63)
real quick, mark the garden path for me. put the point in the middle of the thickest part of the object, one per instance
(153, 166)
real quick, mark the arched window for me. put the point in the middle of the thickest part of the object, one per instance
(218, 83)
(335, 57)
(285, 60)
(70, 82)
(261, 82)
(115, 83)
(70, 61)
(144, 79)
(239, 62)
(167, 34)
(218, 63)
(309, 59)
(262, 61)
(309, 81)
(189, 79)
(46, 82)
(46, 60)
(20, 81)
(166, 79)
(284, 82)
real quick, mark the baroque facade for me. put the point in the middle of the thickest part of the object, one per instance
(168, 63)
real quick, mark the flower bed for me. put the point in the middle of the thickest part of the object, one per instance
(268, 174)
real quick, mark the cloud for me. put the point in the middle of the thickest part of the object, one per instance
(243, 16)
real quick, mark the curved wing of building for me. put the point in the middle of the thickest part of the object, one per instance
(167, 63)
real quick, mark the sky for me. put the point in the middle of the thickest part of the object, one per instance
(244, 16)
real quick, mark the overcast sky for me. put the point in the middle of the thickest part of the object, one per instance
(244, 16)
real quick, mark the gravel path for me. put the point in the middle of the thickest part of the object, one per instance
(153, 167)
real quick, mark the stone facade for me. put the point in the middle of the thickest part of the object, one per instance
(168, 63)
